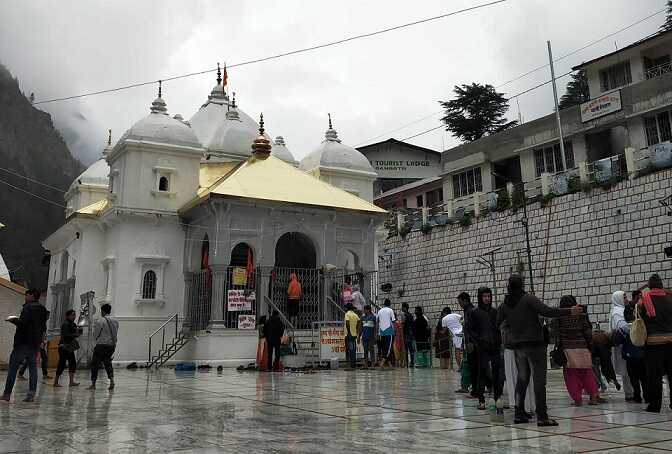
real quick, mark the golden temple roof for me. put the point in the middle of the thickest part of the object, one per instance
(94, 209)
(274, 180)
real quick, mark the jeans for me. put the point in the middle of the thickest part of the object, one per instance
(489, 360)
(271, 349)
(102, 354)
(531, 362)
(658, 360)
(369, 354)
(409, 343)
(63, 357)
(18, 356)
(43, 364)
(351, 350)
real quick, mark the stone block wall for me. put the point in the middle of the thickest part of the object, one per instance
(585, 244)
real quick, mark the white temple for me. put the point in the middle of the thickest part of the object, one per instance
(197, 221)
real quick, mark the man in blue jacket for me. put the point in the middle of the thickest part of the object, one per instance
(30, 329)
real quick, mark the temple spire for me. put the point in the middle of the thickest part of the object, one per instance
(261, 148)
(219, 74)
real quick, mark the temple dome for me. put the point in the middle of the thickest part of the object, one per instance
(333, 154)
(281, 151)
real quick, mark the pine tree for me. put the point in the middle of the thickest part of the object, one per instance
(477, 110)
(667, 25)
(576, 91)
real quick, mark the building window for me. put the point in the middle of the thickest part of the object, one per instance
(163, 184)
(418, 201)
(658, 128)
(549, 159)
(615, 76)
(149, 285)
(405, 203)
(434, 197)
(467, 182)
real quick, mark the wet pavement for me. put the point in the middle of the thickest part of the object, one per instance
(334, 411)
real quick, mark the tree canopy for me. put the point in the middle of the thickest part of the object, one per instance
(576, 91)
(667, 25)
(477, 111)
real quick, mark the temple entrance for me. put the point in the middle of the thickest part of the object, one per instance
(295, 250)
(295, 254)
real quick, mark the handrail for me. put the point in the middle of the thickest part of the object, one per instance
(336, 305)
(163, 337)
(282, 316)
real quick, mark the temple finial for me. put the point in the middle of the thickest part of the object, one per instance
(160, 88)
(261, 147)
(329, 115)
(219, 74)
(109, 137)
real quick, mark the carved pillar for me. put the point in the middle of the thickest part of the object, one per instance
(218, 296)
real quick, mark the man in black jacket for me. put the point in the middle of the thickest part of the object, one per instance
(273, 331)
(468, 309)
(30, 329)
(488, 340)
(521, 312)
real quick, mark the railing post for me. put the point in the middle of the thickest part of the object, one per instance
(545, 184)
(630, 162)
(149, 356)
(217, 296)
(477, 204)
(400, 220)
(510, 188)
(449, 208)
(583, 172)
(425, 216)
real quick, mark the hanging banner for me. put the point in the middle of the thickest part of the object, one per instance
(247, 322)
(239, 276)
(239, 300)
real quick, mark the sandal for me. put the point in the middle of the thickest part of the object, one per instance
(547, 423)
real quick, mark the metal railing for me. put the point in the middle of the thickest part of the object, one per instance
(658, 71)
(608, 168)
(284, 319)
(162, 330)
(334, 310)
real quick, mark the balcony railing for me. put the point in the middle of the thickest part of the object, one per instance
(659, 70)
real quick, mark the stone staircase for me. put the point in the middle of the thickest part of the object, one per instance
(308, 353)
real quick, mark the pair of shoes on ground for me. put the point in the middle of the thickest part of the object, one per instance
(92, 387)
(29, 398)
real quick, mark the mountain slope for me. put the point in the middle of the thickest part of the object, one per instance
(29, 146)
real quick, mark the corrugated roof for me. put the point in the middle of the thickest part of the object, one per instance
(274, 180)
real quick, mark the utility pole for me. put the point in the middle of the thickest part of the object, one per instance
(557, 109)
(525, 223)
(490, 264)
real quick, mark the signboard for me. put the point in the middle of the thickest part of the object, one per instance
(247, 322)
(332, 342)
(600, 106)
(391, 160)
(239, 300)
(239, 276)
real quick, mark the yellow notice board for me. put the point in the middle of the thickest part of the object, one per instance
(239, 276)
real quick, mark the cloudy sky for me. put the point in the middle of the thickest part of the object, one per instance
(371, 86)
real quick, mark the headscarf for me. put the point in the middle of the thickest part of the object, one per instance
(617, 309)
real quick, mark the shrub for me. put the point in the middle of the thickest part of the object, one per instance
(404, 230)
(426, 228)
(465, 221)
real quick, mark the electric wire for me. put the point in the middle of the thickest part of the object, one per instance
(276, 56)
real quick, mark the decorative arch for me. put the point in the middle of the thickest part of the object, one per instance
(149, 285)
(163, 184)
(348, 261)
(205, 253)
(242, 255)
(295, 250)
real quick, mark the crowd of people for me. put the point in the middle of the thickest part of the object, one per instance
(30, 344)
(508, 346)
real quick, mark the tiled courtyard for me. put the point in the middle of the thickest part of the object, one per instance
(327, 412)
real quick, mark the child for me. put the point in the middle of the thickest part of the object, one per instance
(368, 336)
(261, 346)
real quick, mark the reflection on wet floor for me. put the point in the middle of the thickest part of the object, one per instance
(365, 411)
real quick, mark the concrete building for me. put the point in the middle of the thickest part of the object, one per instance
(626, 125)
(202, 222)
(398, 164)
(11, 300)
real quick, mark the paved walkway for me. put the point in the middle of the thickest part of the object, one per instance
(366, 411)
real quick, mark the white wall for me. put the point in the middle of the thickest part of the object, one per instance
(10, 304)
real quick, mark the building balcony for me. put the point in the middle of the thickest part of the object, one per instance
(658, 71)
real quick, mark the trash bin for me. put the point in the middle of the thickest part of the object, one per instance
(333, 363)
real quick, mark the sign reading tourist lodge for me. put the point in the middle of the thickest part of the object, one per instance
(600, 106)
